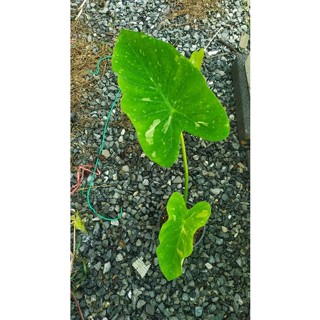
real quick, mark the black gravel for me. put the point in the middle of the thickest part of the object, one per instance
(216, 280)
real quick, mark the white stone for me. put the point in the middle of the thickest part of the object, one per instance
(107, 267)
(216, 191)
(212, 53)
(141, 267)
(119, 257)
(106, 153)
(208, 265)
(224, 229)
(115, 223)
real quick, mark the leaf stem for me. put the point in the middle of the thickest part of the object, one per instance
(185, 164)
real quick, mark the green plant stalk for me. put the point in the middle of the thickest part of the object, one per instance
(185, 165)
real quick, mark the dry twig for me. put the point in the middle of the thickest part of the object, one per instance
(78, 305)
(80, 9)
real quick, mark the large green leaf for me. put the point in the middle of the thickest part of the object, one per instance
(176, 234)
(164, 94)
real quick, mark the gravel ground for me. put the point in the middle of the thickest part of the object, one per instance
(216, 280)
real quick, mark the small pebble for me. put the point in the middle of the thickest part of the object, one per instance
(177, 180)
(198, 311)
(107, 267)
(115, 223)
(119, 257)
(185, 297)
(224, 197)
(208, 266)
(150, 309)
(98, 266)
(106, 153)
(216, 191)
(235, 146)
(140, 303)
(224, 229)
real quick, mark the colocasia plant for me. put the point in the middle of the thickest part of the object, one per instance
(164, 94)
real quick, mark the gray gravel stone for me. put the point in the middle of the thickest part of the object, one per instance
(125, 168)
(177, 180)
(98, 266)
(216, 191)
(185, 297)
(140, 303)
(161, 307)
(224, 197)
(235, 146)
(119, 257)
(239, 262)
(96, 228)
(150, 309)
(107, 267)
(198, 311)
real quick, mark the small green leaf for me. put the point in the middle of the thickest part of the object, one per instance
(84, 267)
(163, 94)
(197, 57)
(176, 235)
(77, 222)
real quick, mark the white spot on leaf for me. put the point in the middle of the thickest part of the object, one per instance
(146, 99)
(153, 154)
(201, 122)
(202, 214)
(166, 125)
(149, 134)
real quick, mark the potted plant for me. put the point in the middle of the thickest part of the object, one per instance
(165, 94)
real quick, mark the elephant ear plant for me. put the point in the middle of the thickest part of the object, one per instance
(165, 94)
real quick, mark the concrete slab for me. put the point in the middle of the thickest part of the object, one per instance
(247, 66)
(244, 41)
(242, 96)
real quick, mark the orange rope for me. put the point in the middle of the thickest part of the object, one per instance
(80, 175)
